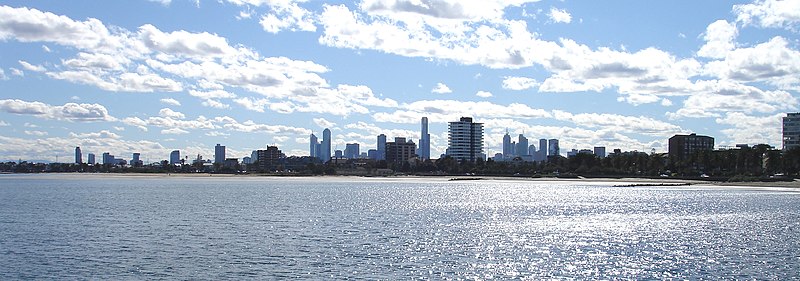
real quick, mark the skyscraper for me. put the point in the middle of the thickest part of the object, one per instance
(90, 158)
(175, 157)
(508, 149)
(791, 131)
(552, 148)
(325, 147)
(542, 154)
(465, 140)
(313, 147)
(78, 155)
(381, 147)
(522, 146)
(219, 154)
(351, 151)
(424, 141)
(108, 158)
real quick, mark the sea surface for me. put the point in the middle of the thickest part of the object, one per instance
(223, 228)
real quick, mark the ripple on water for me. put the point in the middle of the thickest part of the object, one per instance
(257, 228)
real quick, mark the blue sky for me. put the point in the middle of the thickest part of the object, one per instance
(154, 76)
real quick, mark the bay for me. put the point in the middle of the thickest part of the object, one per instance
(160, 227)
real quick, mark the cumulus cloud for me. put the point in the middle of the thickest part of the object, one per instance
(441, 88)
(174, 131)
(559, 15)
(727, 96)
(169, 113)
(104, 141)
(772, 61)
(28, 66)
(751, 129)
(36, 133)
(324, 123)
(171, 101)
(484, 94)
(769, 13)
(719, 38)
(519, 83)
(83, 112)
(448, 110)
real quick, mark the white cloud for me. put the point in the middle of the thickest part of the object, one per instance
(250, 127)
(136, 122)
(28, 66)
(323, 123)
(719, 37)
(252, 103)
(36, 133)
(773, 62)
(46, 49)
(749, 129)
(83, 112)
(728, 96)
(169, 113)
(170, 101)
(441, 88)
(288, 16)
(620, 123)
(185, 44)
(769, 13)
(3, 75)
(4, 124)
(103, 134)
(519, 83)
(559, 15)
(443, 111)
(16, 72)
(484, 94)
(215, 104)
(174, 131)
(638, 99)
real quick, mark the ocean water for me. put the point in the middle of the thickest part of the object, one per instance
(120, 227)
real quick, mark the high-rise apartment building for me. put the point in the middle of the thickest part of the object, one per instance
(175, 157)
(90, 158)
(424, 141)
(400, 150)
(219, 154)
(313, 147)
(681, 146)
(791, 131)
(465, 140)
(78, 155)
(381, 153)
(325, 146)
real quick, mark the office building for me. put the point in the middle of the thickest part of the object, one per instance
(682, 146)
(313, 146)
(108, 159)
(600, 151)
(508, 148)
(532, 150)
(325, 146)
(78, 155)
(542, 153)
(135, 162)
(465, 140)
(247, 160)
(175, 157)
(338, 154)
(400, 150)
(791, 131)
(219, 154)
(372, 154)
(381, 147)
(424, 141)
(552, 148)
(90, 158)
(522, 146)
(351, 151)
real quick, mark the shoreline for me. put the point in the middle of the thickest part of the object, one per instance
(622, 182)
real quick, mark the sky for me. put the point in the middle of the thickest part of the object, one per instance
(155, 76)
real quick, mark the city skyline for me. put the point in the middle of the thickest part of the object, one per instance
(614, 75)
